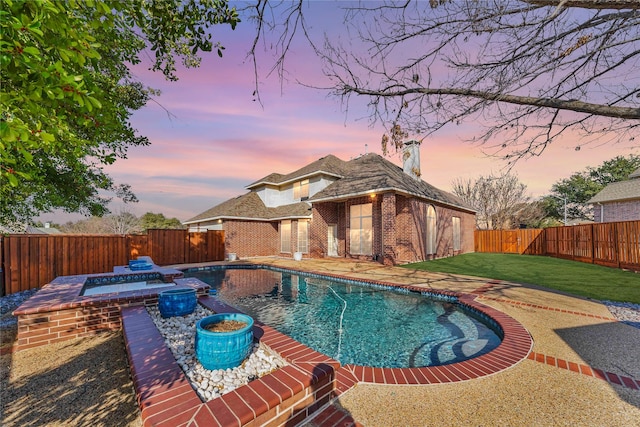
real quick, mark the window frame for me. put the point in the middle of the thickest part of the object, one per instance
(457, 237)
(301, 190)
(287, 242)
(431, 231)
(361, 236)
(303, 244)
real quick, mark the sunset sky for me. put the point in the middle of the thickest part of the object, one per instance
(218, 139)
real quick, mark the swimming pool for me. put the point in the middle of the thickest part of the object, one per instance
(356, 323)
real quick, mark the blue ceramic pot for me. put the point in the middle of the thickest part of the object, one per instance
(222, 350)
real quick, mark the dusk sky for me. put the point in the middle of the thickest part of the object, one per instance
(218, 139)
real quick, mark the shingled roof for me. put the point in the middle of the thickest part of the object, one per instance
(619, 191)
(329, 165)
(372, 173)
(250, 206)
(364, 175)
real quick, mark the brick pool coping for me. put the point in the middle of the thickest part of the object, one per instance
(288, 395)
(296, 392)
(515, 346)
(166, 398)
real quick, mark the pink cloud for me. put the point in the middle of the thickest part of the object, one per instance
(220, 140)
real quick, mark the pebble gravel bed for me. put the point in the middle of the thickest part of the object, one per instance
(625, 312)
(9, 303)
(179, 333)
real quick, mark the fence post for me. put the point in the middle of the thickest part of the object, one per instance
(593, 244)
(616, 244)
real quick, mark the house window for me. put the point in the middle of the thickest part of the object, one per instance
(455, 222)
(285, 236)
(361, 229)
(431, 231)
(303, 236)
(301, 190)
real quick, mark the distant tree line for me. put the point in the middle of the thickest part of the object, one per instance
(502, 201)
(123, 222)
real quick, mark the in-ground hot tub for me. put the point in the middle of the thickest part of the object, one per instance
(63, 309)
(123, 283)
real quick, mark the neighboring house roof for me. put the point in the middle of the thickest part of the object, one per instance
(42, 230)
(249, 206)
(619, 191)
(329, 165)
(28, 229)
(372, 173)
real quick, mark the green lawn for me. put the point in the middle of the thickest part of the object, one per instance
(577, 278)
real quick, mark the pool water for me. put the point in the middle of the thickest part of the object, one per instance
(355, 324)
(124, 287)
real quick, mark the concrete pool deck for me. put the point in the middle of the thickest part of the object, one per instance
(584, 369)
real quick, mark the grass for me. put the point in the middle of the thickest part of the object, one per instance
(577, 278)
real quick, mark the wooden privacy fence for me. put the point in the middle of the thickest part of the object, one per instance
(614, 244)
(32, 260)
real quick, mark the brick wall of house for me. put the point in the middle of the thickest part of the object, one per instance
(617, 211)
(411, 221)
(403, 218)
(323, 215)
(251, 238)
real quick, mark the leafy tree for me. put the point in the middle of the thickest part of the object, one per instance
(582, 186)
(501, 202)
(158, 220)
(529, 70)
(67, 94)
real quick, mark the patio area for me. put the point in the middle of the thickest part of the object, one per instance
(583, 368)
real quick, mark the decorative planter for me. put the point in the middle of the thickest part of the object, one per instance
(297, 256)
(177, 302)
(222, 350)
(232, 256)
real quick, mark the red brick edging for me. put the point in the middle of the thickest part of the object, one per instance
(166, 398)
(587, 370)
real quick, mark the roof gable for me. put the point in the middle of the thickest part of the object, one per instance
(328, 165)
(372, 173)
(250, 206)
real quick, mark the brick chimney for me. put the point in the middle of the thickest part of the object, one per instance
(411, 159)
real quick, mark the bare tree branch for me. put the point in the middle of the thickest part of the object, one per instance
(557, 104)
(529, 71)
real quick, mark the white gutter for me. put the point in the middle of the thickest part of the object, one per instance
(601, 211)
(241, 218)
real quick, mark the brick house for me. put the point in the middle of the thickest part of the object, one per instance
(618, 201)
(366, 208)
